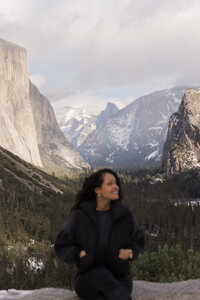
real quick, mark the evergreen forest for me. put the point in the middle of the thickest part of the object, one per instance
(32, 212)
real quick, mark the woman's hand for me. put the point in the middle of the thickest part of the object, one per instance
(124, 253)
(82, 253)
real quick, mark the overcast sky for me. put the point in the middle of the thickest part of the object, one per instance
(87, 52)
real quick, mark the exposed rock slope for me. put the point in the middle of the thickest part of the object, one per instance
(24, 173)
(56, 152)
(17, 133)
(135, 135)
(182, 148)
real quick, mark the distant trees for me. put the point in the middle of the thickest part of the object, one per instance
(167, 211)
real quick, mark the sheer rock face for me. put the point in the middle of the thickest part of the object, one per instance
(28, 126)
(17, 127)
(182, 148)
(55, 150)
(110, 110)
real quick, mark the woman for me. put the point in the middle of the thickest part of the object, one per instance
(100, 236)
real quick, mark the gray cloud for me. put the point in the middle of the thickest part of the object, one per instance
(106, 46)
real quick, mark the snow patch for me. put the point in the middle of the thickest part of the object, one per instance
(152, 155)
(36, 264)
(164, 117)
(174, 119)
(14, 294)
(192, 203)
(152, 145)
(110, 156)
(155, 128)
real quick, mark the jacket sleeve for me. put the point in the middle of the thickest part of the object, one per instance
(137, 239)
(65, 246)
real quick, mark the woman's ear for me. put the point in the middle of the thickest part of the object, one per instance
(97, 190)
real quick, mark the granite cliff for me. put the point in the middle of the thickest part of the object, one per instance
(17, 134)
(28, 125)
(56, 152)
(182, 147)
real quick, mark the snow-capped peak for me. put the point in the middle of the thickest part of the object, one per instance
(76, 113)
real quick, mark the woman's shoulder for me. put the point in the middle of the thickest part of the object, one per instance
(129, 213)
(123, 208)
(74, 213)
(72, 218)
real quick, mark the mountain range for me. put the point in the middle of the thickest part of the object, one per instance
(134, 135)
(130, 137)
(78, 123)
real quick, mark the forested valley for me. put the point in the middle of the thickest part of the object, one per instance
(167, 209)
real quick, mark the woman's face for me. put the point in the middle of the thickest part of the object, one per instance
(109, 189)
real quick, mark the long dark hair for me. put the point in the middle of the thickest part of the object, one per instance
(90, 183)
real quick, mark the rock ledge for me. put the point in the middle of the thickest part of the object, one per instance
(142, 290)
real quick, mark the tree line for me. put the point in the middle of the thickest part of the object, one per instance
(29, 223)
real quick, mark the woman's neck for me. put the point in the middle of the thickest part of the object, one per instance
(102, 205)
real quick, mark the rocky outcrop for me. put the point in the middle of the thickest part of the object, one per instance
(142, 290)
(182, 147)
(17, 134)
(56, 152)
(110, 110)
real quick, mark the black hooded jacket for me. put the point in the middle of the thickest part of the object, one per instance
(80, 233)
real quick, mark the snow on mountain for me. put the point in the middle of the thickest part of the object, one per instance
(78, 123)
(135, 135)
(110, 110)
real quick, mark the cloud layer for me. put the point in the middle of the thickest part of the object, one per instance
(114, 49)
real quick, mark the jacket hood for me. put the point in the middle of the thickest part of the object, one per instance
(117, 210)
